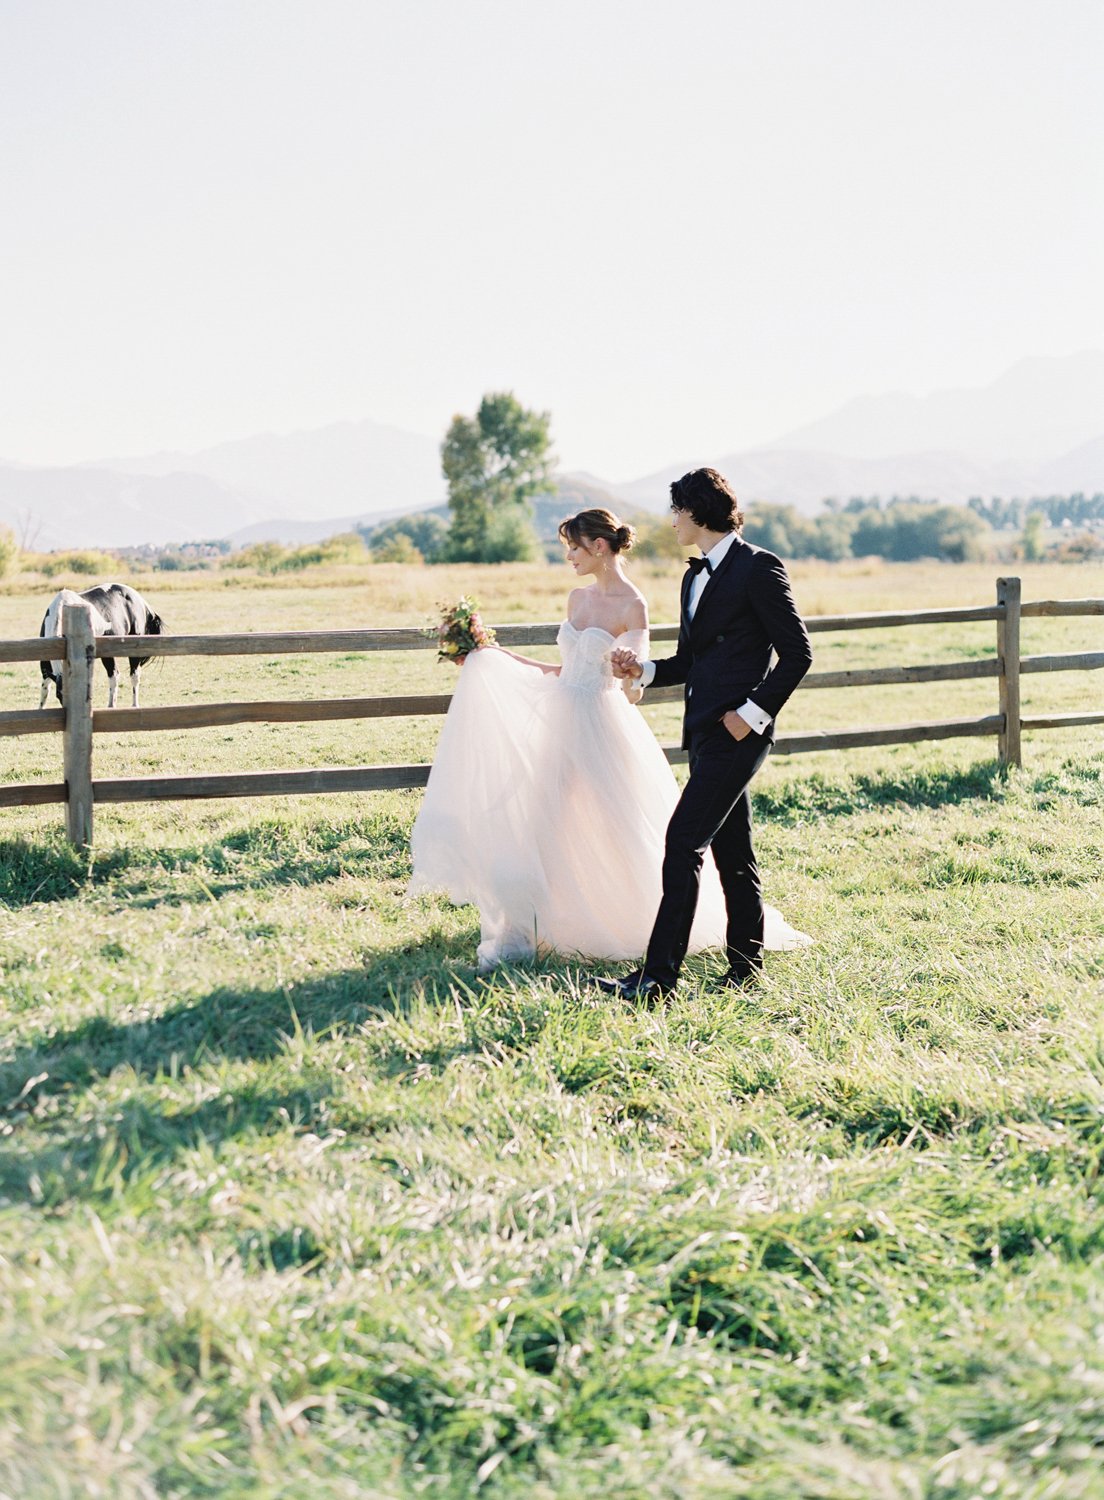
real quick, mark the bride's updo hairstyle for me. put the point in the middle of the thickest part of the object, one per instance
(590, 525)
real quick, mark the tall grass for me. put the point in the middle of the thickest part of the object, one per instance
(294, 1204)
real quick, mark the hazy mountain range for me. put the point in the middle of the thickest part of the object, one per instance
(293, 484)
(1037, 430)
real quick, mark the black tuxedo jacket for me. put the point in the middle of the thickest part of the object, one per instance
(724, 652)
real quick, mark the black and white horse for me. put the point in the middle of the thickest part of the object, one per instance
(116, 610)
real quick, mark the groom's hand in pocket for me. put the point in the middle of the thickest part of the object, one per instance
(738, 728)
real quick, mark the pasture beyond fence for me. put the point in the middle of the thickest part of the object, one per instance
(79, 723)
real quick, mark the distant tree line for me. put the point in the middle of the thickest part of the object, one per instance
(902, 530)
(274, 557)
(417, 538)
(899, 530)
(1011, 515)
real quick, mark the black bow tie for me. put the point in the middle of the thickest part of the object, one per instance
(696, 564)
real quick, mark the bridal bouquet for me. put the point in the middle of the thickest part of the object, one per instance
(461, 631)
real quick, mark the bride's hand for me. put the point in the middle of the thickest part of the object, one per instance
(625, 663)
(477, 628)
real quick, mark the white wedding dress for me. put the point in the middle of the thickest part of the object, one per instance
(547, 806)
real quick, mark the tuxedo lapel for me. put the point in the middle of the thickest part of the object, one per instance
(711, 582)
(684, 599)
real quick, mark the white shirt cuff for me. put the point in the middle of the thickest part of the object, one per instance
(752, 714)
(645, 679)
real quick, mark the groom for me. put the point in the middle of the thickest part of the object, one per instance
(736, 607)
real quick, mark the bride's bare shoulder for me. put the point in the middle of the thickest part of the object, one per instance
(636, 612)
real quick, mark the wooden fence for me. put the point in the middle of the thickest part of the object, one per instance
(79, 722)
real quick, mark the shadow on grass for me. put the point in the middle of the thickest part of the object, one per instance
(50, 871)
(265, 853)
(1080, 782)
(374, 848)
(70, 1158)
(236, 1023)
(817, 796)
(68, 1145)
(143, 1138)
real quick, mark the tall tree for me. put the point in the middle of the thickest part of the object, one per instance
(9, 550)
(494, 463)
(1034, 547)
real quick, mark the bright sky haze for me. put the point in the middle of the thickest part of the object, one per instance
(681, 226)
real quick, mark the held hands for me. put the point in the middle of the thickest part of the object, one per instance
(738, 728)
(625, 663)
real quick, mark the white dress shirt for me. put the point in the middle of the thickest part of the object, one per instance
(750, 712)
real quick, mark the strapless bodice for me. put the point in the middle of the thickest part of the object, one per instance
(584, 657)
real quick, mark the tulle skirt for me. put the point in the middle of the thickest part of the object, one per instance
(546, 808)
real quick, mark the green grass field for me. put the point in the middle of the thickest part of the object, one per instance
(292, 1204)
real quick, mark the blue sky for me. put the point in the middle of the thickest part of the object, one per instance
(678, 225)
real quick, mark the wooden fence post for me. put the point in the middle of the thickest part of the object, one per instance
(76, 686)
(1008, 652)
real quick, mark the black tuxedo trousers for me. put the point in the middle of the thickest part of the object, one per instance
(714, 812)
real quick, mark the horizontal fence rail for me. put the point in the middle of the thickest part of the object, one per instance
(1034, 608)
(30, 793)
(38, 648)
(79, 722)
(316, 710)
(281, 643)
(294, 642)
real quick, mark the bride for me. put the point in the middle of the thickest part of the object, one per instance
(549, 796)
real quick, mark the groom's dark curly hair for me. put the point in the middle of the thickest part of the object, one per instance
(710, 500)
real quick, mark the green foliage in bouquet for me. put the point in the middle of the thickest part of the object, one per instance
(461, 631)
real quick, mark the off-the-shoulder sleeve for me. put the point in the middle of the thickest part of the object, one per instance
(636, 641)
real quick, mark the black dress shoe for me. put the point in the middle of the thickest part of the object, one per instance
(636, 986)
(741, 979)
(612, 985)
